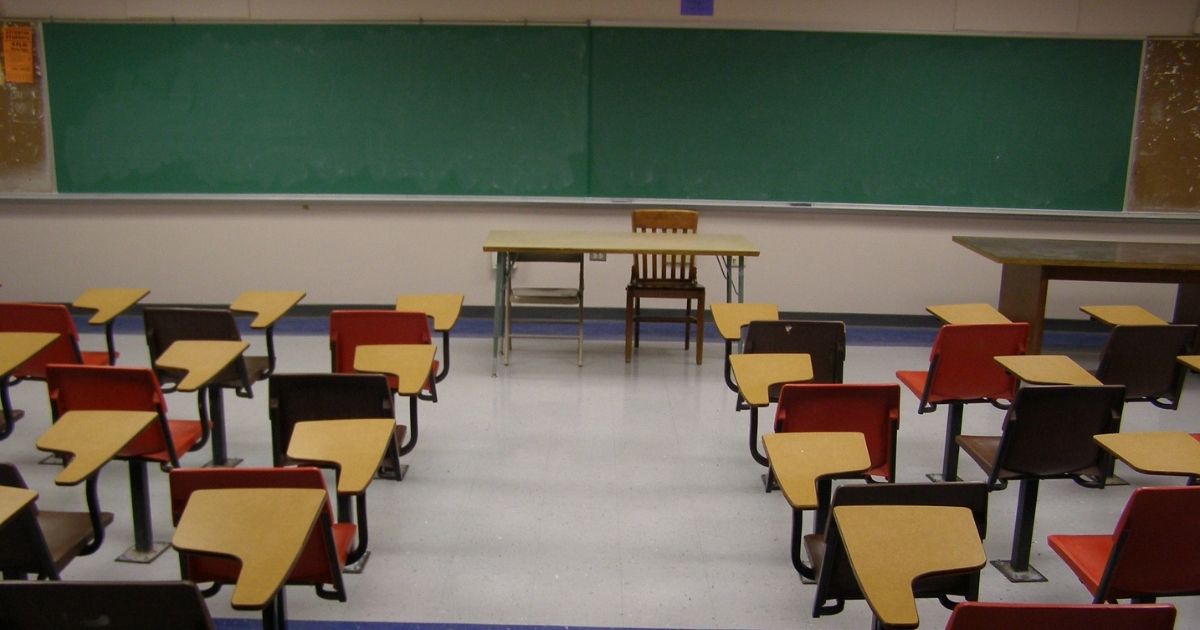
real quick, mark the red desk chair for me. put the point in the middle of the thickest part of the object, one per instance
(320, 563)
(1153, 551)
(85, 387)
(349, 329)
(873, 410)
(962, 370)
(664, 276)
(1009, 615)
(44, 542)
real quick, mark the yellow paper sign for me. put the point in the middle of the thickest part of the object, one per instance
(18, 54)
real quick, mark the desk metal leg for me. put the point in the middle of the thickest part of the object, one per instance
(356, 560)
(1017, 568)
(954, 418)
(498, 307)
(807, 575)
(758, 457)
(729, 367)
(274, 616)
(441, 376)
(144, 550)
(108, 338)
(216, 407)
(10, 416)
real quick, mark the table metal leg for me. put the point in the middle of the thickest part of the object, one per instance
(498, 307)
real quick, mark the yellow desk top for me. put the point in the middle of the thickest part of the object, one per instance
(1123, 315)
(108, 302)
(355, 446)
(799, 459)
(13, 500)
(201, 359)
(92, 438)
(17, 347)
(699, 243)
(1190, 360)
(409, 363)
(755, 373)
(1047, 369)
(265, 528)
(891, 545)
(974, 313)
(442, 307)
(1155, 452)
(268, 306)
(731, 317)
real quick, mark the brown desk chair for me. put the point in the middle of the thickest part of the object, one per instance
(319, 564)
(1153, 551)
(1009, 615)
(1047, 435)
(835, 577)
(1142, 358)
(293, 398)
(963, 370)
(125, 605)
(516, 294)
(823, 341)
(44, 542)
(166, 325)
(662, 276)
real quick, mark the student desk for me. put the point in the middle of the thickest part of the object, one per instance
(803, 463)
(756, 373)
(1123, 315)
(267, 307)
(443, 309)
(1155, 452)
(891, 545)
(1047, 369)
(92, 438)
(202, 360)
(1029, 264)
(354, 448)
(1190, 360)
(108, 302)
(264, 528)
(15, 349)
(410, 364)
(731, 317)
(974, 313)
(505, 242)
(13, 500)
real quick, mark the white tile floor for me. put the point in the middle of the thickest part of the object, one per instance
(608, 495)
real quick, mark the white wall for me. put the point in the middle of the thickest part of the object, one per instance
(814, 261)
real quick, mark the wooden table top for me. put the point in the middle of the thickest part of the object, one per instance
(17, 347)
(974, 313)
(265, 528)
(92, 438)
(1190, 360)
(755, 373)
(731, 317)
(13, 500)
(1155, 452)
(1123, 315)
(268, 306)
(409, 363)
(1116, 254)
(799, 459)
(891, 545)
(201, 359)
(355, 446)
(443, 308)
(1047, 369)
(699, 243)
(108, 302)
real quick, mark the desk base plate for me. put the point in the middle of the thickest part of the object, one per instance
(133, 554)
(1030, 574)
(53, 460)
(938, 477)
(358, 566)
(230, 462)
(393, 474)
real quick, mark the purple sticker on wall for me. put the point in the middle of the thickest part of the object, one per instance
(696, 7)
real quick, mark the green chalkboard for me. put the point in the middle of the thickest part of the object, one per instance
(862, 118)
(370, 109)
(592, 112)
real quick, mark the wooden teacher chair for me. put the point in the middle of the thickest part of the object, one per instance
(664, 276)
